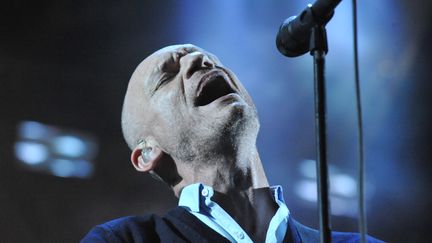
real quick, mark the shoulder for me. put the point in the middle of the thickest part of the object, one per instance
(177, 225)
(125, 229)
(351, 238)
(307, 234)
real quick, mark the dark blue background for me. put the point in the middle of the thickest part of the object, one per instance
(67, 63)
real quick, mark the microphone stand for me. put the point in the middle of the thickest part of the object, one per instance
(292, 40)
(318, 49)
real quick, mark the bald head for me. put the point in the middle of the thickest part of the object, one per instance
(193, 107)
(135, 120)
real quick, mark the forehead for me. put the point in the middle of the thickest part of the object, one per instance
(167, 52)
(186, 48)
(154, 63)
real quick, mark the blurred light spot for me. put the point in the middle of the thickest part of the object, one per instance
(71, 168)
(343, 185)
(62, 167)
(343, 207)
(69, 146)
(33, 130)
(54, 150)
(31, 153)
(307, 190)
(308, 168)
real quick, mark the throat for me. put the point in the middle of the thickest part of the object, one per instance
(225, 178)
(252, 210)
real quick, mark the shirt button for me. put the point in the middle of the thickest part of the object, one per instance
(240, 235)
(204, 192)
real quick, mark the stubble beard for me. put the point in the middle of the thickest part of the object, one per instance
(228, 141)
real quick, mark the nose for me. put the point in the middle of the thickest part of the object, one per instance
(193, 62)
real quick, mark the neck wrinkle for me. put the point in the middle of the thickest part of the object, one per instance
(232, 176)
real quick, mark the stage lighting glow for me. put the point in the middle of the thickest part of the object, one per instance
(31, 153)
(342, 200)
(308, 168)
(33, 130)
(343, 185)
(70, 146)
(54, 150)
(343, 207)
(71, 168)
(307, 190)
(343, 188)
(62, 167)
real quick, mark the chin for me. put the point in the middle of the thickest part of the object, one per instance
(228, 128)
(241, 124)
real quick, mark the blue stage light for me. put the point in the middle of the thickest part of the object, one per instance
(62, 167)
(54, 150)
(71, 168)
(307, 190)
(343, 188)
(307, 168)
(33, 130)
(68, 145)
(343, 185)
(31, 153)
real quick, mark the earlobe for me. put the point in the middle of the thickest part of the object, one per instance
(145, 157)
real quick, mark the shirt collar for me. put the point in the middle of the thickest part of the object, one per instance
(197, 199)
(194, 196)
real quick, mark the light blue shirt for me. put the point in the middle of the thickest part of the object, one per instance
(196, 198)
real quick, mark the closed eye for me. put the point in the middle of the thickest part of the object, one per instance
(168, 69)
(171, 64)
(165, 78)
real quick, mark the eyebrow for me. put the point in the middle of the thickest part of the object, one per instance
(159, 67)
(162, 62)
(167, 57)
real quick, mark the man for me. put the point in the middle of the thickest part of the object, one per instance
(190, 123)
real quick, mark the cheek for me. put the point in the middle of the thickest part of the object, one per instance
(170, 107)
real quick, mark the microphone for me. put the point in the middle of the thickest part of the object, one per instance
(294, 33)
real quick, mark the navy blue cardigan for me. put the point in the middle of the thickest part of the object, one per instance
(178, 225)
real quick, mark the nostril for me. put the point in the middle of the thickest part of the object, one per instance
(208, 63)
(198, 62)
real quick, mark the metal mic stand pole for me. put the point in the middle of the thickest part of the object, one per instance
(318, 49)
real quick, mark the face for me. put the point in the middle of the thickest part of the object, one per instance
(194, 105)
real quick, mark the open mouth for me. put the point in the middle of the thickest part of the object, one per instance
(212, 87)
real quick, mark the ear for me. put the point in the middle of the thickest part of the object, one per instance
(146, 156)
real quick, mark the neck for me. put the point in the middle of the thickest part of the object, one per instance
(252, 210)
(224, 173)
(241, 188)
